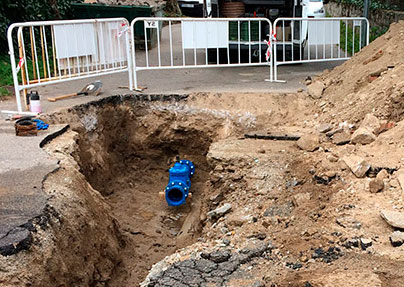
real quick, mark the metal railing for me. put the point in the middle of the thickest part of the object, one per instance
(183, 43)
(51, 52)
(304, 40)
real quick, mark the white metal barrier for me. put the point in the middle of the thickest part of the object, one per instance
(182, 43)
(303, 40)
(52, 52)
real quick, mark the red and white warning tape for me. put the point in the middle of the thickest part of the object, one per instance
(20, 63)
(125, 29)
(272, 38)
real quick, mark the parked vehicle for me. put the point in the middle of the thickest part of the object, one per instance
(195, 8)
(273, 9)
(315, 9)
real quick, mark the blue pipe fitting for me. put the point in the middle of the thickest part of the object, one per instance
(179, 183)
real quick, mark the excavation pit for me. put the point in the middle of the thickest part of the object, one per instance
(124, 146)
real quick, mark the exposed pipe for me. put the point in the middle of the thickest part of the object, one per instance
(179, 183)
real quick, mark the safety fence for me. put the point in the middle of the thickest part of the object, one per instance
(57, 51)
(180, 43)
(306, 40)
(51, 52)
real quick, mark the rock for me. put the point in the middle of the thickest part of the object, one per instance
(324, 128)
(377, 73)
(365, 243)
(300, 90)
(351, 243)
(363, 136)
(309, 142)
(357, 165)
(349, 222)
(394, 183)
(400, 178)
(330, 173)
(216, 197)
(341, 138)
(238, 219)
(258, 284)
(333, 132)
(394, 218)
(327, 255)
(301, 198)
(382, 175)
(332, 158)
(371, 123)
(219, 256)
(385, 126)
(219, 167)
(220, 211)
(397, 238)
(376, 185)
(316, 89)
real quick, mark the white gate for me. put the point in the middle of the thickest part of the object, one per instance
(52, 52)
(183, 43)
(305, 40)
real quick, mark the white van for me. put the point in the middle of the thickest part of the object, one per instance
(194, 8)
(315, 8)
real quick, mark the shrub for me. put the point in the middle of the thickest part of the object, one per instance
(12, 11)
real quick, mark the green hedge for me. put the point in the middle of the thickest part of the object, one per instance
(12, 11)
(375, 4)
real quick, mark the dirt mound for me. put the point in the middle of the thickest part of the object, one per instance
(371, 82)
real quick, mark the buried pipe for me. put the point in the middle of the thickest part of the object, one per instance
(179, 183)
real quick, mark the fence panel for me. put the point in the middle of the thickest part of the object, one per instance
(305, 40)
(183, 43)
(51, 52)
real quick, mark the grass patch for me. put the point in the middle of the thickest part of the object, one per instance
(6, 76)
(376, 32)
(350, 40)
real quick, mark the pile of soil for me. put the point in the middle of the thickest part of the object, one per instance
(371, 82)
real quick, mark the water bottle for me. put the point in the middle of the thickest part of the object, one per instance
(34, 102)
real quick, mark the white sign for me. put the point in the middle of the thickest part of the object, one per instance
(324, 32)
(205, 34)
(151, 24)
(74, 40)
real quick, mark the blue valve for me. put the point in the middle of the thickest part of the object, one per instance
(179, 183)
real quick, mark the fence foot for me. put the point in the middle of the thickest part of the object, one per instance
(140, 89)
(275, 81)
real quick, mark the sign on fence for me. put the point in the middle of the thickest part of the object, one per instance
(201, 35)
